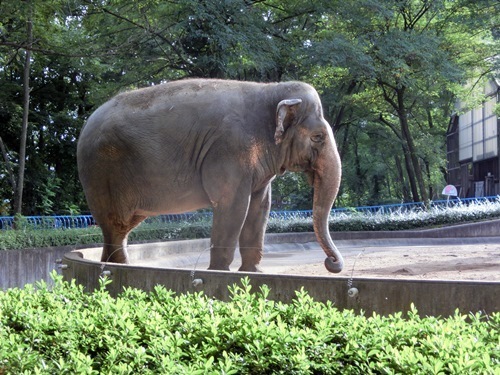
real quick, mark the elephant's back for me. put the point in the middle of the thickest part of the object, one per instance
(155, 125)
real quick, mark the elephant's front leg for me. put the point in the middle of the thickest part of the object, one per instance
(229, 216)
(254, 229)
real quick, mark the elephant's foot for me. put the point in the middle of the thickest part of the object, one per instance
(220, 258)
(218, 268)
(117, 255)
(250, 268)
(250, 259)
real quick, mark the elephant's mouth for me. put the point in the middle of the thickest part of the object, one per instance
(310, 177)
(299, 166)
(308, 172)
(292, 168)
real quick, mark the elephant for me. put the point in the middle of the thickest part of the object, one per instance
(193, 143)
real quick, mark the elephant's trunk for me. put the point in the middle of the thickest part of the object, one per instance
(326, 186)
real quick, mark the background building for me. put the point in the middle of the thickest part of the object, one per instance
(473, 141)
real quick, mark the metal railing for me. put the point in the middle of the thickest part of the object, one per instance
(85, 221)
(44, 222)
(416, 206)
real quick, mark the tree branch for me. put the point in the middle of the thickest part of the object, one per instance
(387, 98)
(151, 31)
(391, 126)
(8, 167)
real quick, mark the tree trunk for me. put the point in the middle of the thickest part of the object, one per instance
(8, 167)
(406, 153)
(359, 175)
(408, 139)
(341, 112)
(404, 185)
(414, 160)
(410, 173)
(26, 106)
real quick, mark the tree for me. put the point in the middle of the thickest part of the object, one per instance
(188, 38)
(18, 201)
(54, 95)
(388, 73)
(408, 57)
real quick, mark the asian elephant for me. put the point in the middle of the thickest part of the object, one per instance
(194, 143)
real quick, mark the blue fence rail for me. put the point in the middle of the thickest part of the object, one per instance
(86, 221)
(44, 222)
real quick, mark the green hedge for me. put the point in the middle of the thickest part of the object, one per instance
(63, 330)
(154, 230)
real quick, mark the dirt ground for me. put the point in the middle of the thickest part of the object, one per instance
(479, 261)
(450, 259)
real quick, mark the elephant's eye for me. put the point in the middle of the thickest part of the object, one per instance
(317, 138)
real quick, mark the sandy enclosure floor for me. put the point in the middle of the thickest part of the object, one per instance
(452, 260)
(449, 262)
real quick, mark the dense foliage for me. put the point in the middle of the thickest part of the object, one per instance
(155, 229)
(64, 330)
(388, 72)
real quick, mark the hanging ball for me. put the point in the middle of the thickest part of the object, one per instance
(197, 282)
(353, 292)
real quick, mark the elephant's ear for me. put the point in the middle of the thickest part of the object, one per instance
(284, 109)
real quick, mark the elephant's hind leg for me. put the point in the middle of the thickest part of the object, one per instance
(115, 233)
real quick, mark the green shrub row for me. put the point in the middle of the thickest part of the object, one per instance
(63, 330)
(37, 238)
(154, 230)
(397, 220)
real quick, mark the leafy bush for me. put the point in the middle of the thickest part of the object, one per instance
(31, 238)
(64, 330)
(155, 230)
(395, 220)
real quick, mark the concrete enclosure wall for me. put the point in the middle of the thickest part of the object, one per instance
(384, 296)
(21, 267)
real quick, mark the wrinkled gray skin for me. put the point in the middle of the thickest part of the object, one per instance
(189, 144)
